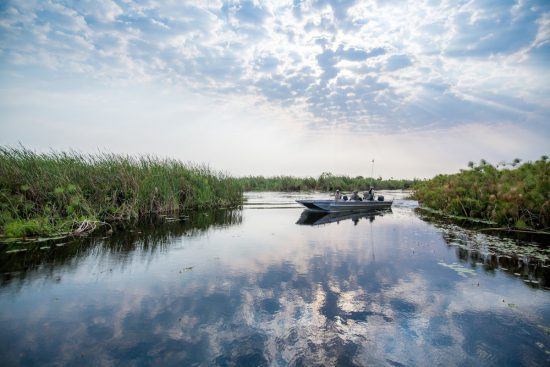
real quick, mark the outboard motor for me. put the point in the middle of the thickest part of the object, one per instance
(380, 197)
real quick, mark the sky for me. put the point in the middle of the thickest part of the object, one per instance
(280, 87)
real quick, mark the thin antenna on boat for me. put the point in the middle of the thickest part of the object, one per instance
(372, 172)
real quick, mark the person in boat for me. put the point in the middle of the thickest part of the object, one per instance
(355, 196)
(369, 195)
(337, 196)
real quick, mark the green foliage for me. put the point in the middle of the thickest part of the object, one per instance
(21, 228)
(517, 196)
(39, 192)
(325, 182)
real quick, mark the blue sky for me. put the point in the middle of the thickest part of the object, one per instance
(281, 87)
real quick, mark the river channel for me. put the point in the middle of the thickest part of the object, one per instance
(271, 285)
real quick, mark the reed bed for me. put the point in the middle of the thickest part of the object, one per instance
(511, 194)
(325, 182)
(63, 192)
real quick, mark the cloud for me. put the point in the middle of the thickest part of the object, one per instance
(267, 63)
(396, 62)
(501, 28)
(245, 11)
(360, 65)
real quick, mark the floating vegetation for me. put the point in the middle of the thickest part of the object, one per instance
(526, 260)
(455, 217)
(16, 251)
(189, 268)
(459, 269)
(545, 329)
(489, 245)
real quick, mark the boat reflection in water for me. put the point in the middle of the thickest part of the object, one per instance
(315, 218)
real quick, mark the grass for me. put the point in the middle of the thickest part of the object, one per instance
(60, 193)
(513, 195)
(325, 182)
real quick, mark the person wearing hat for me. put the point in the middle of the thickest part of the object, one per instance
(337, 196)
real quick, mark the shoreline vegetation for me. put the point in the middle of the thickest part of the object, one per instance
(512, 195)
(326, 182)
(54, 195)
(59, 194)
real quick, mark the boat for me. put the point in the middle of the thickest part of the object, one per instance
(340, 205)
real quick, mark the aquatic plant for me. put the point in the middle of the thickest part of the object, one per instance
(325, 182)
(63, 192)
(514, 195)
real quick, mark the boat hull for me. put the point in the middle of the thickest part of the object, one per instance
(340, 206)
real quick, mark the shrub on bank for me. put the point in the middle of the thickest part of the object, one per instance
(514, 195)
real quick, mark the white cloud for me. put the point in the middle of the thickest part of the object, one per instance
(240, 136)
(363, 67)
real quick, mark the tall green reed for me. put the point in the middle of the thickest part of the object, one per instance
(48, 193)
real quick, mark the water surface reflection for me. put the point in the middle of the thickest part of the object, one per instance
(253, 288)
(315, 218)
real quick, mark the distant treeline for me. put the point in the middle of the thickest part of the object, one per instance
(325, 182)
(59, 193)
(510, 194)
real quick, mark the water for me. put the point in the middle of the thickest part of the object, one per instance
(268, 285)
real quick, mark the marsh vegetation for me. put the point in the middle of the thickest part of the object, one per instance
(509, 194)
(57, 194)
(326, 182)
(61, 193)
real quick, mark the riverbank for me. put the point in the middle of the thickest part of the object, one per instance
(510, 195)
(59, 194)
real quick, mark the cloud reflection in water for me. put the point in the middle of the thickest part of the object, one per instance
(266, 291)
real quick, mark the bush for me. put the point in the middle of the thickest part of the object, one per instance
(512, 195)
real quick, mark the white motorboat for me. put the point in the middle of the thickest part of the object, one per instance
(340, 205)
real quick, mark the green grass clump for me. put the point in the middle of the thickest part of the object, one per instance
(514, 195)
(325, 182)
(26, 228)
(46, 194)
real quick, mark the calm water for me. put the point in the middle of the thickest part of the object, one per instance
(269, 285)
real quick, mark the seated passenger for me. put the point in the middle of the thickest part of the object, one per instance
(369, 195)
(355, 197)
